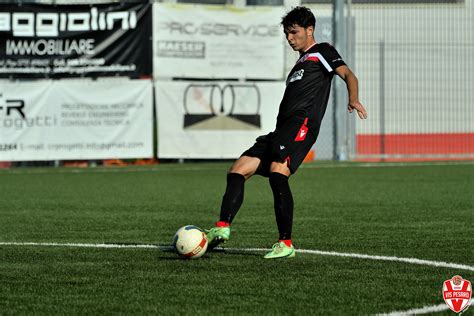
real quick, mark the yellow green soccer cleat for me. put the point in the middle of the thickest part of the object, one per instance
(280, 250)
(216, 236)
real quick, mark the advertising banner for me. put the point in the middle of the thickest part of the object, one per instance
(55, 41)
(202, 41)
(76, 120)
(214, 119)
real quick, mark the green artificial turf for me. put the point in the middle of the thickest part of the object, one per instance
(410, 211)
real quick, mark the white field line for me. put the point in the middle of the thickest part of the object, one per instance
(422, 310)
(304, 251)
(81, 245)
(372, 257)
(441, 264)
(417, 311)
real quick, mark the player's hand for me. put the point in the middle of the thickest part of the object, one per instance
(361, 111)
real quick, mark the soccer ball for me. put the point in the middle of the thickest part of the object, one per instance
(190, 242)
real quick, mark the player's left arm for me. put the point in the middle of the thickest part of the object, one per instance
(352, 84)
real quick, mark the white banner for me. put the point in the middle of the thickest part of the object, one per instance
(214, 119)
(202, 41)
(76, 119)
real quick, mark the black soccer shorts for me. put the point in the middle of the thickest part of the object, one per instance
(290, 142)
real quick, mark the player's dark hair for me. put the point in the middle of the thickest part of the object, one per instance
(301, 16)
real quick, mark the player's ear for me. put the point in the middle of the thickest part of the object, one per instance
(309, 31)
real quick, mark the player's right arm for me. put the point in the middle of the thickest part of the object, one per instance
(352, 84)
(337, 65)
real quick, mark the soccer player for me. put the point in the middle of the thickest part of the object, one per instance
(278, 154)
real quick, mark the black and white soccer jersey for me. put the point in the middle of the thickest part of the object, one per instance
(308, 86)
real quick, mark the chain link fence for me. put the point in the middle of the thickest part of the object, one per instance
(413, 61)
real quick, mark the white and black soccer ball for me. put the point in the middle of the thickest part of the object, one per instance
(190, 242)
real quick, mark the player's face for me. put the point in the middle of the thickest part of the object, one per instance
(299, 38)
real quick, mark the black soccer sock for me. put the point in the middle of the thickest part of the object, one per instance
(283, 203)
(233, 197)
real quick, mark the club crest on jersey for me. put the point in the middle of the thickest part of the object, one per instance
(302, 132)
(297, 75)
(457, 293)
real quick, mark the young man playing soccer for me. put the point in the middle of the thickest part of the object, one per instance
(278, 154)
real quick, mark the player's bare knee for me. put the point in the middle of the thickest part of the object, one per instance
(280, 167)
(243, 173)
(246, 166)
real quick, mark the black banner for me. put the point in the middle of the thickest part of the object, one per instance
(57, 41)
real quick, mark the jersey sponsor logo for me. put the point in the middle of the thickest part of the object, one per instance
(303, 131)
(282, 147)
(298, 75)
(457, 293)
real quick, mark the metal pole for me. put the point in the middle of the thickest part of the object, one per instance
(338, 28)
(350, 120)
(349, 30)
(382, 98)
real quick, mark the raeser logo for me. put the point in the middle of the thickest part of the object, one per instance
(457, 293)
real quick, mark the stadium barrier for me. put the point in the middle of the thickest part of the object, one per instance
(218, 69)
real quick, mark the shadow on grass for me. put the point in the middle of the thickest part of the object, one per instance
(167, 250)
